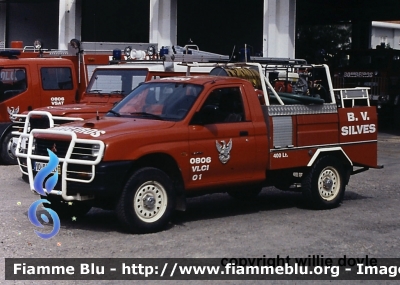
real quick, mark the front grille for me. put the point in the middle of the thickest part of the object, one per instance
(77, 157)
(81, 172)
(39, 123)
(59, 148)
(82, 151)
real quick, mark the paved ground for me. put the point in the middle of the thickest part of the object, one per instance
(367, 223)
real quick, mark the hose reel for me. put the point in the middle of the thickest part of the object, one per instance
(245, 73)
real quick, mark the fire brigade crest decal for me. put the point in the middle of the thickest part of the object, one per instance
(12, 111)
(224, 150)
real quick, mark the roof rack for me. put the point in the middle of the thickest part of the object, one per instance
(196, 58)
(277, 60)
(191, 54)
(212, 58)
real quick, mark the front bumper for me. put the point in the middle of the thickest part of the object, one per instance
(24, 123)
(76, 160)
(109, 179)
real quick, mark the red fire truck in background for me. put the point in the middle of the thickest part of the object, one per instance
(110, 83)
(378, 69)
(32, 77)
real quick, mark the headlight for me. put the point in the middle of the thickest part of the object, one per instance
(37, 44)
(127, 52)
(33, 146)
(76, 44)
(151, 50)
(95, 150)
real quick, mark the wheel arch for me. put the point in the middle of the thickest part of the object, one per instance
(4, 129)
(339, 154)
(168, 164)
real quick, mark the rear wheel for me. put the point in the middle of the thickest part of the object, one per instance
(8, 148)
(324, 185)
(147, 201)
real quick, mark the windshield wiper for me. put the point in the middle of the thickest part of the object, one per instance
(95, 91)
(147, 115)
(115, 113)
(117, 92)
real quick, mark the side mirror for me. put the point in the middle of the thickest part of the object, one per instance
(207, 115)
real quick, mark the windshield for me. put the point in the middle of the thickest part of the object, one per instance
(115, 81)
(12, 82)
(158, 100)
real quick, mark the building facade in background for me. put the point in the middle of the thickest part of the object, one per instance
(265, 26)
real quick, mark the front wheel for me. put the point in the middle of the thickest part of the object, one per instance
(146, 202)
(324, 185)
(8, 149)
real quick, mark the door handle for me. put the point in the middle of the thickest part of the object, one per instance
(243, 133)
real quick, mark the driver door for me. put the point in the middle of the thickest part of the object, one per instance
(222, 147)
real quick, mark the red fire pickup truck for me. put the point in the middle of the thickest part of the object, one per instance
(179, 137)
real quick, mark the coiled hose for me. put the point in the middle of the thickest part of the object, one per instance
(245, 73)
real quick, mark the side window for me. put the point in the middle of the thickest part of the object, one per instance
(56, 78)
(224, 105)
(13, 82)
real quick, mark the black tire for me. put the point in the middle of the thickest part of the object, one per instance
(324, 186)
(7, 154)
(245, 193)
(147, 201)
(67, 209)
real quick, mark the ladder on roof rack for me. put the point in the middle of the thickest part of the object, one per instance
(210, 57)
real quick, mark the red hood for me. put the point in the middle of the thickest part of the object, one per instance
(82, 110)
(108, 127)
